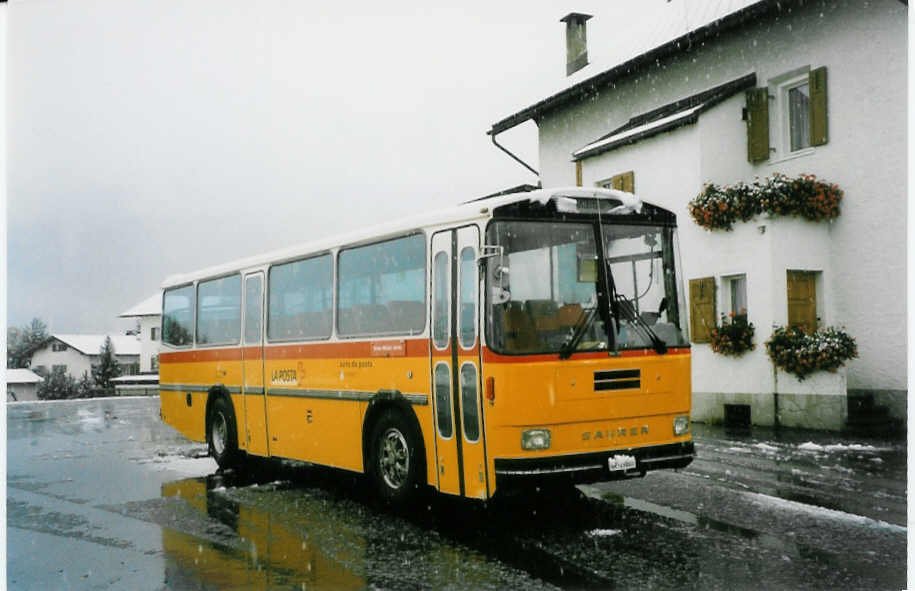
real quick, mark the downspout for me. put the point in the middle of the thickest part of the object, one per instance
(492, 136)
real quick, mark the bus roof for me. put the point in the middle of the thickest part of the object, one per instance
(465, 212)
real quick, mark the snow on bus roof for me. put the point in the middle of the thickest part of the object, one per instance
(471, 210)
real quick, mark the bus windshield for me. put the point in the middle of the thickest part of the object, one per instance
(543, 283)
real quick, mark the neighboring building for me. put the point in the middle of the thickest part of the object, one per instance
(149, 315)
(791, 87)
(22, 384)
(137, 385)
(77, 353)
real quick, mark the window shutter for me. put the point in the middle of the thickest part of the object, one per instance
(628, 181)
(819, 121)
(802, 300)
(758, 124)
(578, 173)
(625, 181)
(701, 308)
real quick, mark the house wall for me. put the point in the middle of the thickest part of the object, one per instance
(76, 362)
(148, 347)
(861, 255)
(23, 391)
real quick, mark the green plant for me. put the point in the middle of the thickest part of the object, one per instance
(718, 208)
(801, 354)
(734, 336)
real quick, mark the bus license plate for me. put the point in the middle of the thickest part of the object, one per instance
(621, 463)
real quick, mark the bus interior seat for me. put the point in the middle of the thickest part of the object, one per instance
(544, 313)
(569, 314)
(405, 314)
(518, 328)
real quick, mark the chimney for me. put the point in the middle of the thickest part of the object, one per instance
(576, 41)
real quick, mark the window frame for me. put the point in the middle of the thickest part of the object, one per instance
(426, 289)
(728, 283)
(193, 328)
(780, 124)
(333, 298)
(197, 283)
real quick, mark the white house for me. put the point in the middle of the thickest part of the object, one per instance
(22, 384)
(77, 353)
(149, 316)
(790, 87)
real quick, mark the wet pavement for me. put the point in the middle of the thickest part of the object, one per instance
(102, 495)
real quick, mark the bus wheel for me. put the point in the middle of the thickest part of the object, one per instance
(395, 458)
(222, 439)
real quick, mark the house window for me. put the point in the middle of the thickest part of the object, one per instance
(60, 368)
(624, 181)
(58, 347)
(154, 363)
(797, 99)
(154, 333)
(787, 117)
(735, 290)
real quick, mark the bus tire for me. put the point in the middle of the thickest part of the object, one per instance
(395, 460)
(222, 437)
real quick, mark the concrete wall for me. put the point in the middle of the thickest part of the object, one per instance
(861, 255)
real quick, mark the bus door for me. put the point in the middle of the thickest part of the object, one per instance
(254, 394)
(455, 347)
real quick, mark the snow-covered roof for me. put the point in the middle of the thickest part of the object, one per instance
(145, 378)
(603, 72)
(681, 112)
(91, 344)
(151, 306)
(466, 212)
(22, 376)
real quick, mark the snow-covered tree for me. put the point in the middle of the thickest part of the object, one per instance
(108, 367)
(22, 342)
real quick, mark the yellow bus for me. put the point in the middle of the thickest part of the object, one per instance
(514, 339)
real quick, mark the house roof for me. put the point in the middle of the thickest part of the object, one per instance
(151, 306)
(681, 112)
(580, 89)
(91, 344)
(22, 376)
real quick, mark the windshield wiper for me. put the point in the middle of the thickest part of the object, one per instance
(585, 319)
(642, 327)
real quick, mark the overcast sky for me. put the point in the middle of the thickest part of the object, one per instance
(151, 137)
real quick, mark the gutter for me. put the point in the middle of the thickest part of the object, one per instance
(492, 136)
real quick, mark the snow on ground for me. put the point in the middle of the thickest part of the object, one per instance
(766, 447)
(182, 464)
(811, 446)
(764, 500)
(604, 533)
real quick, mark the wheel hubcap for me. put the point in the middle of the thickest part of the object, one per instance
(218, 433)
(394, 458)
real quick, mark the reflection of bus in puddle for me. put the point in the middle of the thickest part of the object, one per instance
(263, 550)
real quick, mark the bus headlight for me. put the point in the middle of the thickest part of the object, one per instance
(535, 439)
(681, 425)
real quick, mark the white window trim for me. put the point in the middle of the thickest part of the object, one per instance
(725, 286)
(779, 122)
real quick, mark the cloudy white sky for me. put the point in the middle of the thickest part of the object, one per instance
(151, 137)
